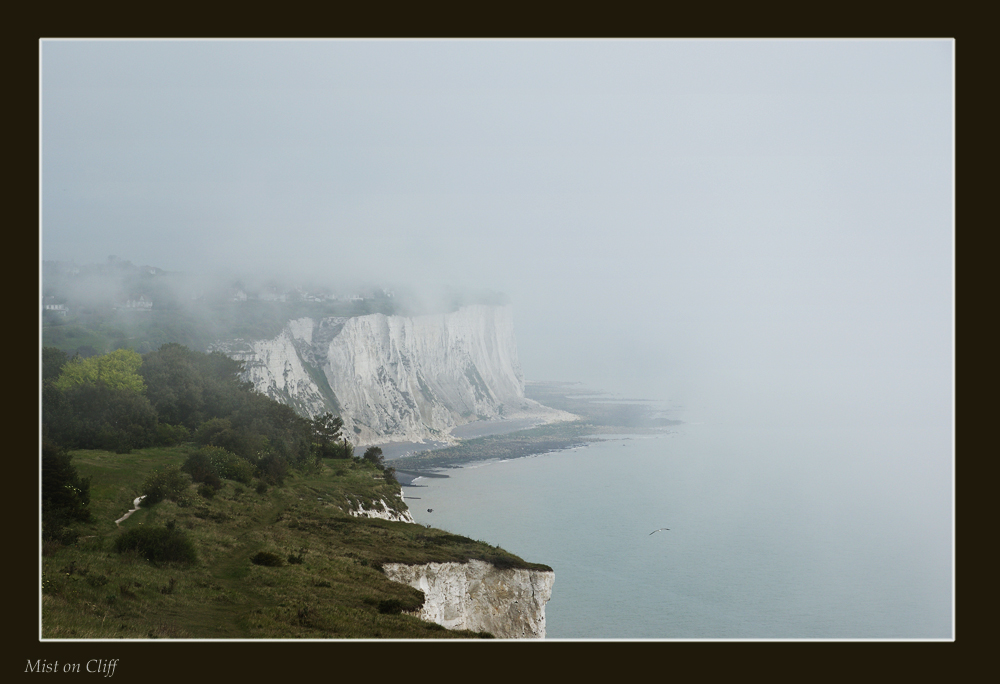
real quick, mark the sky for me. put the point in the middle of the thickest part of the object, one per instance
(757, 220)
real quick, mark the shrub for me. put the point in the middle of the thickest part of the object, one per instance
(272, 468)
(267, 558)
(208, 430)
(373, 455)
(391, 606)
(206, 491)
(65, 496)
(168, 484)
(97, 580)
(215, 462)
(198, 466)
(99, 417)
(228, 465)
(157, 544)
(170, 435)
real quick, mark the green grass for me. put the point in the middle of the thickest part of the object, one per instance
(333, 587)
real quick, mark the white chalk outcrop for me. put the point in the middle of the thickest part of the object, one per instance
(382, 510)
(507, 603)
(393, 378)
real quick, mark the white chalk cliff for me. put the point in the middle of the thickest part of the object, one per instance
(393, 378)
(507, 603)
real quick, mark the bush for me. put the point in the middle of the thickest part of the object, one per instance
(157, 544)
(391, 606)
(267, 558)
(170, 435)
(168, 484)
(228, 465)
(342, 449)
(374, 456)
(99, 417)
(215, 462)
(65, 496)
(210, 429)
(272, 469)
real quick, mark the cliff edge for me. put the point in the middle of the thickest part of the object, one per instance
(508, 603)
(393, 378)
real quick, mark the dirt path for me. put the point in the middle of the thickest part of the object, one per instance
(135, 507)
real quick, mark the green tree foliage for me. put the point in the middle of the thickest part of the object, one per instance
(210, 430)
(53, 361)
(289, 436)
(187, 387)
(341, 449)
(65, 496)
(326, 435)
(99, 417)
(389, 473)
(96, 403)
(166, 484)
(219, 462)
(373, 455)
(171, 435)
(117, 371)
(272, 469)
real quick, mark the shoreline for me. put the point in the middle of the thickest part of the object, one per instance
(595, 418)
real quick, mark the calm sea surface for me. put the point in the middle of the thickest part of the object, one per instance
(775, 532)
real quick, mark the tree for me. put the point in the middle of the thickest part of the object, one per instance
(98, 417)
(326, 435)
(65, 495)
(53, 360)
(389, 473)
(117, 371)
(187, 387)
(374, 456)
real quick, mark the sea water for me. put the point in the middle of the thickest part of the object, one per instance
(775, 532)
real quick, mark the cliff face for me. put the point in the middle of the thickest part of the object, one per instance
(475, 595)
(393, 378)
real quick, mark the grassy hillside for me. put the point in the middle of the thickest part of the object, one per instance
(329, 583)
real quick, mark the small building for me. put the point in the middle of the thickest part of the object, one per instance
(142, 303)
(50, 305)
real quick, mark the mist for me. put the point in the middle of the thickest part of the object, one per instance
(765, 221)
(758, 231)
(663, 215)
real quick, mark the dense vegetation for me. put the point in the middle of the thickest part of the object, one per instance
(245, 562)
(246, 525)
(122, 401)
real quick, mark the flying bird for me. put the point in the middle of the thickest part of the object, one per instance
(662, 528)
(430, 510)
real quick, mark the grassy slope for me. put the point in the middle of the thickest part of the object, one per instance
(90, 591)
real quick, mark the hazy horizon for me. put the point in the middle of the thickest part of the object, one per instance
(667, 217)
